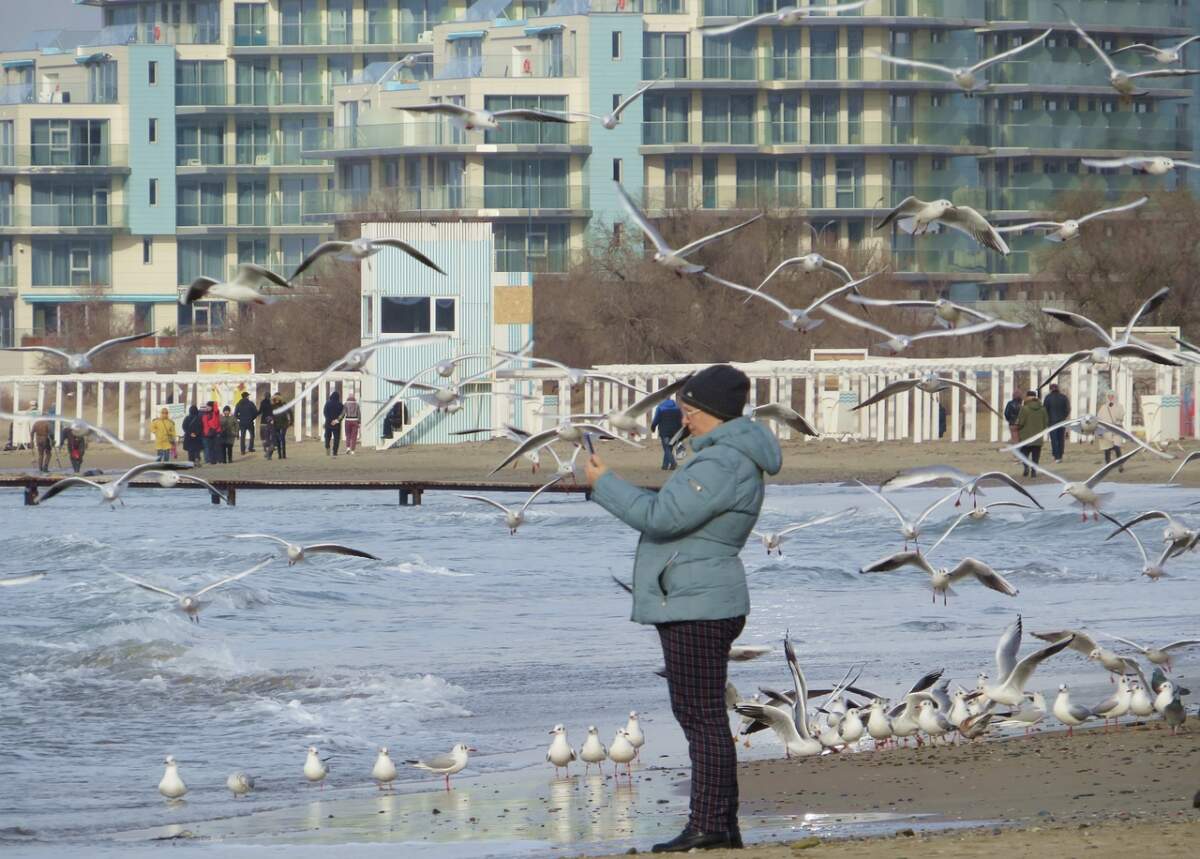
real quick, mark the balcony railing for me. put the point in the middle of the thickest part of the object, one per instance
(425, 133)
(242, 155)
(1105, 13)
(269, 211)
(66, 215)
(273, 93)
(505, 65)
(360, 34)
(162, 34)
(1044, 193)
(784, 196)
(1117, 131)
(8, 277)
(396, 202)
(964, 260)
(840, 132)
(74, 90)
(64, 155)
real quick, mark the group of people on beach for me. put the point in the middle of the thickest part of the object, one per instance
(1028, 416)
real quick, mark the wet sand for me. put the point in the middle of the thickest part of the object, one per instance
(823, 461)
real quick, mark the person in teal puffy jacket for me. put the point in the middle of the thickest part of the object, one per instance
(688, 579)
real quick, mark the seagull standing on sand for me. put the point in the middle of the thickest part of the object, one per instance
(612, 120)
(1013, 675)
(773, 540)
(1065, 231)
(244, 288)
(560, 752)
(917, 217)
(315, 769)
(1071, 715)
(81, 427)
(798, 318)
(80, 362)
(633, 733)
(593, 751)
(362, 249)
(1164, 55)
(470, 119)
(965, 78)
(666, 256)
(513, 518)
(622, 751)
(190, 604)
(111, 492)
(239, 784)
(1124, 82)
(785, 16)
(384, 771)
(446, 765)
(1115, 705)
(879, 726)
(910, 528)
(297, 553)
(171, 786)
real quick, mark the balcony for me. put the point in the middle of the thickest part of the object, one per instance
(510, 64)
(236, 156)
(824, 196)
(76, 89)
(1076, 67)
(959, 263)
(8, 276)
(479, 200)
(1044, 193)
(48, 157)
(1120, 131)
(1140, 17)
(256, 213)
(433, 134)
(271, 94)
(245, 39)
(840, 132)
(78, 217)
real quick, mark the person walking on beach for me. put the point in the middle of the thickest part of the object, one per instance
(193, 435)
(210, 420)
(163, 430)
(283, 422)
(76, 447)
(1058, 409)
(245, 412)
(333, 421)
(266, 425)
(688, 579)
(1112, 412)
(1031, 420)
(668, 420)
(352, 418)
(41, 438)
(229, 434)
(1011, 410)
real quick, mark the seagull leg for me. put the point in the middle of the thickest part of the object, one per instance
(447, 782)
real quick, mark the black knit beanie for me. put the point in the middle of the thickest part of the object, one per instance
(720, 390)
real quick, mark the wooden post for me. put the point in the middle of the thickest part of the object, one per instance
(58, 410)
(298, 423)
(231, 494)
(956, 410)
(121, 410)
(31, 494)
(141, 411)
(78, 398)
(99, 404)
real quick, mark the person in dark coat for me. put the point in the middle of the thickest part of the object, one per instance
(283, 422)
(210, 420)
(1058, 409)
(1011, 410)
(333, 421)
(245, 412)
(266, 425)
(668, 420)
(1030, 422)
(193, 435)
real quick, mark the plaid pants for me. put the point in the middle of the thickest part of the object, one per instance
(697, 657)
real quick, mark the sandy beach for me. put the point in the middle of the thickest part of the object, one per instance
(823, 461)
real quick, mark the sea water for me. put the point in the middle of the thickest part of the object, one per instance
(465, 634)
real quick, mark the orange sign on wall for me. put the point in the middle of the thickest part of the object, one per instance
(225, 393)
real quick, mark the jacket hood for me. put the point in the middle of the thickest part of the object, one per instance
(1035, 405)
(751, 439)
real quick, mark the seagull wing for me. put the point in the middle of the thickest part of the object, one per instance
(726, 29)
(692, 247)
(1032, 225)
(1177, 645)
(753, 293)
(967, 220)
(949, 530)
(1130, 437)
(91, 428)
(915, 64)
(848, 286)
(968, 330)
(1081, 642)
(310, 387)
(908, 207)
(330, 247)
(538, 492)
(535, 441)
(149, 587)
(889, 302)
(401, 245)
(1114, 163)
(1150, 304)
(1074, 358)
(1163, 73)
(800, 707)
(200, 480)
(987, 577)
(1148, 516)
(1186, 42)
(655, 397)
(923, 474)
(250, 274)
(142, 468)
(64, 484)
(129, 338)
(1007, 648)
(837, 313)
(532, 115)
(1038, 468)
(1136, 46)
(448, 108)
(792, 418)
(898, 561)
(199, 289)
(885, 500)
(1005, 56)
(1194, 455)
(1140, 201)
(821, 520)
(278, 540)
(21, 580)
(234, 577)
(1132, 644)
(1091, 42)
(972, 392)
(630, 99)
(935, 505)
(1007, 480)
(1138, 542)
(1025, 668)
(336, 549)
(643, 222)
(495, 504)
(615, 381)
(1095, 479)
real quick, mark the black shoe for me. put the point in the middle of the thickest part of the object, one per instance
(735, 838)
(693, 840)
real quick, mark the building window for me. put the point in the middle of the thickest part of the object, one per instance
(153, 192)
(616, 100)
(418, 315)
(616, 45)
(531, 247)
(143, 316)
(152, 72)
(70, 262)
(617, 170)
(937, 163)
(147, 251)
(937, 100)
(203, 317)
(152, 130)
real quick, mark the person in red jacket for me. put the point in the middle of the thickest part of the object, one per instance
(211, 424)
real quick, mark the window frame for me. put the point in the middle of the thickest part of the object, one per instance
(431, 323)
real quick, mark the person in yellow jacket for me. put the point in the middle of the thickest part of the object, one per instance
(163, 430)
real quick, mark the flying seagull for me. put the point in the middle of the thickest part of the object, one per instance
(81, 427)
(362, 249)
(111, 492)
(1084, 493)
(81, 362)
(946, 313)
(1165, 55)
(1155, 165)
(612, 120)
(1158, 655)
(487, 120)
(297, 553)
(1178, 537)
(810, 263)
(773, 540)
(1125, 82)
(965, 78)
(1064, 231)
(1089, 424)
(576, 375)
(896, 343)
(567, 431)
(664, 254)
(941, 578)
(190, 604)
(1191, 457)
(910, 528)
(1011, 675)
(968, 483)
(930, 383)
(786, 415)
(785, 16)
(171, 479)
(800, 318)
(513, 518)
(918, 217)
(977, 513)
(1151, 570)
(242, 289)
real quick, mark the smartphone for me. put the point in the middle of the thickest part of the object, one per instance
(587, 442)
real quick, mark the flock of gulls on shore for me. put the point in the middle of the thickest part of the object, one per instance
(847, 715)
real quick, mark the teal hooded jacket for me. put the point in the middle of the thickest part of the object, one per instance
(693, 529)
